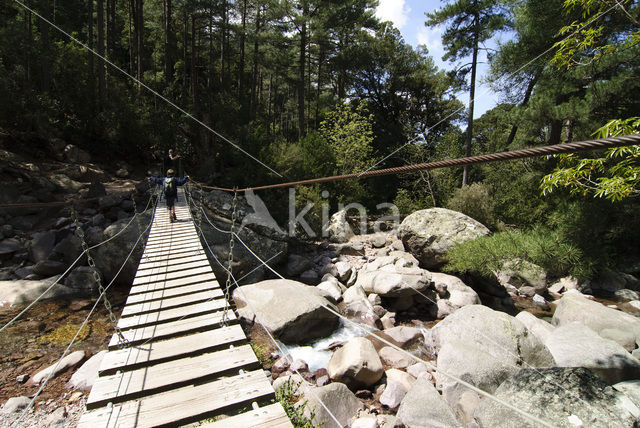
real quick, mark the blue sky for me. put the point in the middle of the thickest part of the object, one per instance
(409, 16)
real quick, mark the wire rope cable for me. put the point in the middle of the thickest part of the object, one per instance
(84, 323)
(418, 359)
(84, 251)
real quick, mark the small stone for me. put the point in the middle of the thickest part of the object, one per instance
(15, 404)
(322, 380)
(75, 396)
(539, 300)
(365, 422)
(364, 394)
(299, 366)
(22, 378)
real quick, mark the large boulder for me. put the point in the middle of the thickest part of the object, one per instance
(452, 294)
(575, 345)
(356, 364)
(423, 407)
(483, 346)
(110, 256)
(41, 246)
(338, 229)
(574, 307)
(540, 328)
(341, 403)
(429, 234)
(394, 276)
(554, 395)
(84, 378)
(25, 291)
(520, 275)
(290, 310)
(356, 305)
(71, 360)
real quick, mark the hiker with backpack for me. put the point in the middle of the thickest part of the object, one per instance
(170, 190)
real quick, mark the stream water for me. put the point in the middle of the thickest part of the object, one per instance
(317, 353)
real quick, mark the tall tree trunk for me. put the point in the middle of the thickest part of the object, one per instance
(140, 37)
(194, 83)
(318, 89)
(131, 20)
(27, 66)
(301, 69)
(46, 48)
(223, 45)
(101, 66)
(168, 43)
(472, 94)
(185, 80)
(242, 42)
(111, 28)
(525, 100)
(254, 73)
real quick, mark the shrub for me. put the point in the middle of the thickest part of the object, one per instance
(286, 395)
(476, 202)
(543, 247)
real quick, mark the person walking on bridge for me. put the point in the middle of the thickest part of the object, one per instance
(170, 190)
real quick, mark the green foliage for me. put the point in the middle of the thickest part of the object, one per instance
(546, 248)
(286, 395)
(261, 351)
(615, 176)
(408, 202)
(475, 201)
(590, 37)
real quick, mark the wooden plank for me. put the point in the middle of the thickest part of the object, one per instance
(177, 239)
(187, 258)
(162, 277)
(272, 416)
(178, 248)
(158, 229)
(160, 285)
(175, 254)
(170, 302)
(173, 374)
(175, 292)
(171, 349)
(182, 405)
(168, 315)
(172, 329)
(156, 238)
(159, 270)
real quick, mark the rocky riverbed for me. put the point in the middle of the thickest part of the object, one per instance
(420, 336)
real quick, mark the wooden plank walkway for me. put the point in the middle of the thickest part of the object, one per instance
(182, 365)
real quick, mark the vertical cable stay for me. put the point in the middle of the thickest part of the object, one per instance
(84, 251)
(84, 323)
(388, 343)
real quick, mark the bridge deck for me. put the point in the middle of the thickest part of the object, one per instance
(183, 365)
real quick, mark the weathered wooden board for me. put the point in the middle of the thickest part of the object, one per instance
(272, 416)
(173, 374)
(182, 405)
(162, 277)
(175, 249)
(173, 261)
(177, 239)
(169, 303)
(175, 254)
(171, 349)
(172, 268)
(159, 285)
(173, 238)
(172, 329)
(162, 293)
(173, 314)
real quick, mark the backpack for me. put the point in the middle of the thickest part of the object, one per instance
(169, 187)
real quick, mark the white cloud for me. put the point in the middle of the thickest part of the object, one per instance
(431, 37)
(394, 11)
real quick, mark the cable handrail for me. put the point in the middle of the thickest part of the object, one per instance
(416, 358)
(578, 146)
(84, 323)
(57, 281)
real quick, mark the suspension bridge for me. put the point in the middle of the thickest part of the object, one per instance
(179, 354)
